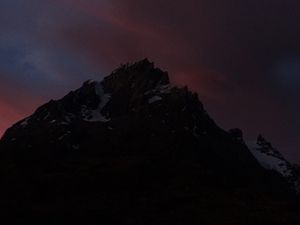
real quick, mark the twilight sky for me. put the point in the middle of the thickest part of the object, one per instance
(242, 57)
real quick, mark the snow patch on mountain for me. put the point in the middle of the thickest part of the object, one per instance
(160, 89)
(24, 123)
(271, 159)
(154, 99)
(96, 114)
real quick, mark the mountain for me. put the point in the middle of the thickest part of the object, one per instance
(133, 149)
(297, 167)
(272, 159)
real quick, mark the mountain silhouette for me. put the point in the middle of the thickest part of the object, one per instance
(134, 149)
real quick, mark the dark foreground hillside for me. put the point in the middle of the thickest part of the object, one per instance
(133, 149)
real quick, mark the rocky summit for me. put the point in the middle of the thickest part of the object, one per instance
(134, 149)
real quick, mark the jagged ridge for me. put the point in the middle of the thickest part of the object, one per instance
(272, 159)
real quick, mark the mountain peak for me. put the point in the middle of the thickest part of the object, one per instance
(271, 159)
(141, 65)
(261, 141)
(141, 76)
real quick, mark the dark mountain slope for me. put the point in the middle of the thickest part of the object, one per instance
(133, 149)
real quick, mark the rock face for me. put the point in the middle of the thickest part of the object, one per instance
(133, 149)
(272, 159)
